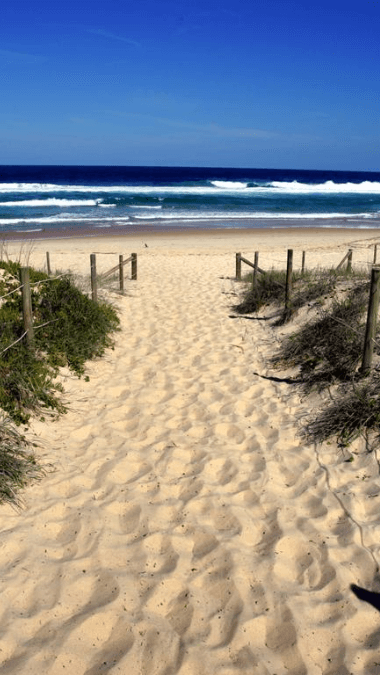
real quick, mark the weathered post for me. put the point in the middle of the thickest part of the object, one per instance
(134, 266)
(94, 288)
(255, 269)
(303, 261)
(48, 263)
(289, 279)
(121, 274)
(238, 266)
(349, 260)
(370, 332)
(374, 254)
(27, 304)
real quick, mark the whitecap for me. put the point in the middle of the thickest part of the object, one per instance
(228, 184)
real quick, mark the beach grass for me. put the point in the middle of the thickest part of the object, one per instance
(18, 463)
(327, 349)
(353, 411)
(309, 286)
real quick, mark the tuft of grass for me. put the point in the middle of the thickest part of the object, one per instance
(328, 348)
(348, 415)
(270, 288)
(18, 465)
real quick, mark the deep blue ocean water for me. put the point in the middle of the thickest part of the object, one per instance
(56, 198)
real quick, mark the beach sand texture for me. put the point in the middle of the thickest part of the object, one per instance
(183, 526)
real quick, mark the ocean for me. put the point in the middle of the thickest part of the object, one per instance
(61, 200)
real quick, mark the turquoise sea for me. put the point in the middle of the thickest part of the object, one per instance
(56, 200)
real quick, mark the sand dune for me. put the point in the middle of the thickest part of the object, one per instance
(183, 525)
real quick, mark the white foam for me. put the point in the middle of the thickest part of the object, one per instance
(22, 188)
(38, 229)
(61, 218)
(195, 215)
(51, 202)
(228, 184)
(28, 187)
(133, 206)
(216, 187)
(187, 216)
(366, 187)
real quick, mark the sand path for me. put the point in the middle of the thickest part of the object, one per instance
(185, 527)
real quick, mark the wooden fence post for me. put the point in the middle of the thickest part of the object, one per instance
(134, 266)
(121, 274)
(48, 263)
(255, 269)
(303, 261)
(238, 266)
(289, 279)
(94, 288)
(349, 260)
(27, 304)
(342, 261)
(370, 332)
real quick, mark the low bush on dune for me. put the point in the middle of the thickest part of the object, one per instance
(77, 329)
(69, 330)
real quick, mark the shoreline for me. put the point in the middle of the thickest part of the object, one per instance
(197, 227)
(323, 247)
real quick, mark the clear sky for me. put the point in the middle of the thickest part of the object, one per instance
(250, 83)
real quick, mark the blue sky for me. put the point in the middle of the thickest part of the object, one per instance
(267, 83)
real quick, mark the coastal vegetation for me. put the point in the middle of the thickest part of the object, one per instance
(307, 287)
(69, 329)
(326, 347)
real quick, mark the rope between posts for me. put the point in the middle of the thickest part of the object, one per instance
(13, 343)
(10, 292)
(25, 333)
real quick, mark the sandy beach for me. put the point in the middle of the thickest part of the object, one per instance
(183, 526)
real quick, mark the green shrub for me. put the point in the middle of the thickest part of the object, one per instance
(80, 328)
(77, 329)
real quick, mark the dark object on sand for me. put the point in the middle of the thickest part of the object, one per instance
(368, 596)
